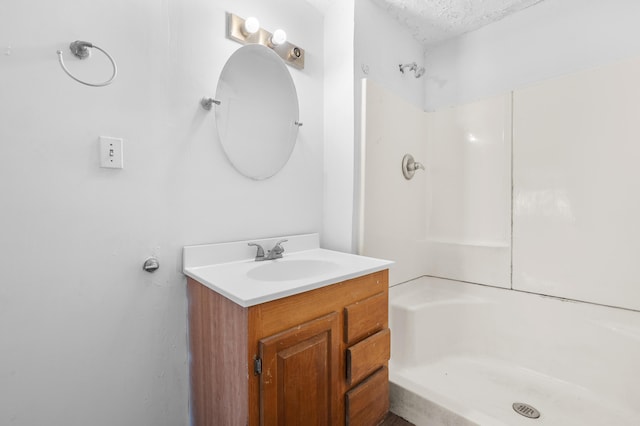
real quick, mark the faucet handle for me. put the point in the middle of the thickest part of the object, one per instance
(415, 166)
(278, 249)
(259, 252)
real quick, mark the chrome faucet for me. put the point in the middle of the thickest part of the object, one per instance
(274, 253)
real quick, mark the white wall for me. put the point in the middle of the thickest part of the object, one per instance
(381, 45)
(552, 38)
(87, 337)
(339, 153)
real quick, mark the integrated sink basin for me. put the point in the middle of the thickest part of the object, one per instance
(231, 270)
(290, 269)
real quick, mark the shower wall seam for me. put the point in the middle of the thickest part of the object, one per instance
(512, 192)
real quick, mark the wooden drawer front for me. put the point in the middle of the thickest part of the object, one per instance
(367, 356)
(368, 403)
(365, 317)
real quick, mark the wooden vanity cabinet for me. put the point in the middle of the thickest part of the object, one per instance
(315, 358)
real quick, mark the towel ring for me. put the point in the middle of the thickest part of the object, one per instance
(80, 49)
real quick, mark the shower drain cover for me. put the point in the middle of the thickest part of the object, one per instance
(526, 410)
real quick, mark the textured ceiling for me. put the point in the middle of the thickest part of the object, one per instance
(433, 21)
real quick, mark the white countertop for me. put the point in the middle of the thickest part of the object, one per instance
(230, 268)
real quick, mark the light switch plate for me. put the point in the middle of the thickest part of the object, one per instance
(111, 152)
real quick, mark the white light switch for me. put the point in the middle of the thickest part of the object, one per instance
(111, 153)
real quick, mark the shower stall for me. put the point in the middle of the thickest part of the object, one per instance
(515, 293)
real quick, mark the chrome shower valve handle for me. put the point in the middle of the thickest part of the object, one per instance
(409, 166)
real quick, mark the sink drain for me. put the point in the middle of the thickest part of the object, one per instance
(525, 410)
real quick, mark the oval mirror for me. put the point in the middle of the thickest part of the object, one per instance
(258, 111)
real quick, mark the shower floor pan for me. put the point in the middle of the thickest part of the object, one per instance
(461, 391)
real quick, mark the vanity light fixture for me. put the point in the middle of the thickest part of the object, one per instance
(251, 26)
(279, 37)
(248, 31)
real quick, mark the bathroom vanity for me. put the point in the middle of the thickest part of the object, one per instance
(317, 356)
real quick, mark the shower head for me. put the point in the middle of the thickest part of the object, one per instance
(419, 71)
(412, 67)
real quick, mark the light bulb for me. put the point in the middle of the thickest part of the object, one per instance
(251, 25)
(278, 37)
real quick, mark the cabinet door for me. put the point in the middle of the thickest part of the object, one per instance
(299, 380)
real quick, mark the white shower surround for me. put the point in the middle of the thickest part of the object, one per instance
(455, 215)
(571, 167)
